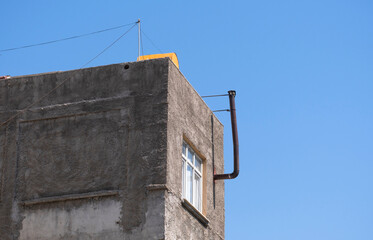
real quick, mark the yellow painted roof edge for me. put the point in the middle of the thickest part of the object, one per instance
(172, 56)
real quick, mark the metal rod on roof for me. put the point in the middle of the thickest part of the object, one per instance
(222, 110)
(139, 38)
(221, 95)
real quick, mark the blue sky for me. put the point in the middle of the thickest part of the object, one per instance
(303, 72)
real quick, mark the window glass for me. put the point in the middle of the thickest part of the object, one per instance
(189, 184)
(198, 164)
(190, 155)
(198, 196)
(191, 177)
(183, 177)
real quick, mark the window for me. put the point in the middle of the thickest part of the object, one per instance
(192, 177)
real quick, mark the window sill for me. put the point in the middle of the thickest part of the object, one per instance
(197, 214)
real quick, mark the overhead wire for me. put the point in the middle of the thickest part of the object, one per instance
(108, 46)
(64, 81)
(64, 39)
(142, 31)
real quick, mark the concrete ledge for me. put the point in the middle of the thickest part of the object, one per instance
(157, 187)
(192, 210)
(69, 197)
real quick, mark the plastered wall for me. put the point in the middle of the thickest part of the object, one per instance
(100, 157)
(190, 120)
(77, 164)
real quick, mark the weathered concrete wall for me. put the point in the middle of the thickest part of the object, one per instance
(100, 158)
(189, 118)
(103, 130)
(92, 219)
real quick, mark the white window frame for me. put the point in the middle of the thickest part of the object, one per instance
(197, 196)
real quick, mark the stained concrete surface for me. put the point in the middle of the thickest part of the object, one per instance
(96, 219)
(108, 128)
(190, 119)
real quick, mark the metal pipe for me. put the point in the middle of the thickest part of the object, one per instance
(139, 33)
(236, 164)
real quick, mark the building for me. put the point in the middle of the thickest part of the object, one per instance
(124, 151)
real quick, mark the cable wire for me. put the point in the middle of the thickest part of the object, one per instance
(64, 81)
(151, 41)
(64, 39)
(108, 46)
(142, 48)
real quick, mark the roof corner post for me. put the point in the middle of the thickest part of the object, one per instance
(234, 174)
